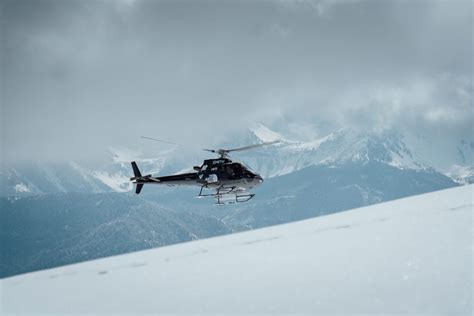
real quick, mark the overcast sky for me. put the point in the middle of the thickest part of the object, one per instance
(80, 76)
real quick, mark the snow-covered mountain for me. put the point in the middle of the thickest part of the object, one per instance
(340, 171)
(349, 145)
(411, 256)
(113, 176)
(82, 226)
(461, 174)
(343, 146)
(116, 174)
(36, 178)
(321, 190)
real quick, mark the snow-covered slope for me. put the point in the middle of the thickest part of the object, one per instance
(409, 256)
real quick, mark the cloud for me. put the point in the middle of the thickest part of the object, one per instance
(319, 7)
(442, 101)
(81, 76)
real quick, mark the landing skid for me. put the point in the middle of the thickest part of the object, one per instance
(226, 195)
(233, 198)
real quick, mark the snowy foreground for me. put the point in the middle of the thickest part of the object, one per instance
(409, 256)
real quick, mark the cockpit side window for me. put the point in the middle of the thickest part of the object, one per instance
(238, 170)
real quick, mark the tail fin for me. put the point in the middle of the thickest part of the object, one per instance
(138, 175)
(139, 188)
(136, 171)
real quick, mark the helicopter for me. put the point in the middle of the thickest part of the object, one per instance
(229, 180)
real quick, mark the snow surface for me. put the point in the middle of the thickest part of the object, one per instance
(409, 256)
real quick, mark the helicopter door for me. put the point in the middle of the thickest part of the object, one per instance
(212, 178)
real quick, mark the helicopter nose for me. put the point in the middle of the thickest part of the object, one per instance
(259, 178)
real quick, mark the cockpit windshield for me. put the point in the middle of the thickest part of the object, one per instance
(246, 167)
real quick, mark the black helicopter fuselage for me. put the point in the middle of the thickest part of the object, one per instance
(219, 173)
(223, 172)
(229, 180)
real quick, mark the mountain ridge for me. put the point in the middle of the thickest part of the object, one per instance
(345, 145)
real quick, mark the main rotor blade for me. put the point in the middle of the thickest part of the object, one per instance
(159, 140)
(252, 146)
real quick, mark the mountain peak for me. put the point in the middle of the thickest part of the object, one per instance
(264, 134)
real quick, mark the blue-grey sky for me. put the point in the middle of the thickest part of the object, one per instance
(80, 76)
